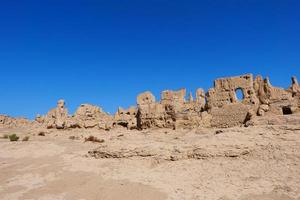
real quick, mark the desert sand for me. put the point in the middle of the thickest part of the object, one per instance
(260, 162)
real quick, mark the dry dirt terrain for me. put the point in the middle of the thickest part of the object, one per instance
(261, 162)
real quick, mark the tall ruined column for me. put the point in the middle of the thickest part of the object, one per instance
(200, 97)
(294, 88)
(61, 114)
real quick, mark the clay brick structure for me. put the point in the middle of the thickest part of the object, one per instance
(91, 116)
(56, 117)
(260, 102)
(86, 116)
(224, 91)
(11, 122)
(224, 106)
(150, 113)
(126, 118)
(220, 106)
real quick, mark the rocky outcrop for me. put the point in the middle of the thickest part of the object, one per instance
(219, 107)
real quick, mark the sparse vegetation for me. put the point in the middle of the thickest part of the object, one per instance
(41, 133)
(72, 137)
(5, 136)
(26, 138)
(93, 139)
(13, 137)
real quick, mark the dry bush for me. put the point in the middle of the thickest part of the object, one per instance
(26, 138)
(41, 133)
(72, 137)
(5, 136)
(93, 139)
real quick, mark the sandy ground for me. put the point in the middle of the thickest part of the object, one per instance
(237, 163)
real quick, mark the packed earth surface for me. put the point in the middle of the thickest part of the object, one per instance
(260, 162)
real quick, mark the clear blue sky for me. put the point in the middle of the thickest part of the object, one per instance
(107, 52)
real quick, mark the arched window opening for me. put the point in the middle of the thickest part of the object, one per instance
(239, 94)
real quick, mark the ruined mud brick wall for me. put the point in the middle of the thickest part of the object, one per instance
(86, 116)
(126, 118)
(150, 113)
(229, 115)
(275, 100)
(219, 107)
(224, 91)
(55, 118)
(91, 116)
(224, 106)
(10, 122)
(173, 111)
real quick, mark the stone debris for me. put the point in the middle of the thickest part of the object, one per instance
(220, 107)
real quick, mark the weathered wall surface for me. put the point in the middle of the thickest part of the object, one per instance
(9, 122)
(225, 89)
(219, 107)
(229, 115)
(126, 118)
(225, 107)
(90, 116)
(150, 113)
(173, 111)
(86, 116)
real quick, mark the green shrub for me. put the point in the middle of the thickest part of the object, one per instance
(13, 137)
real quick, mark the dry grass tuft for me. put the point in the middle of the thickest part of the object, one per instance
(41, 133)
(26, 138)
(5, 136)
(93, 139)
(72, 137)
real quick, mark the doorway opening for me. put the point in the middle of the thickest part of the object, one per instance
(286, 110)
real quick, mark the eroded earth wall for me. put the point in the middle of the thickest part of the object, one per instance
(220, 106)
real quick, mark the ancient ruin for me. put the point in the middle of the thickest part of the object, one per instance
(218, 107)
